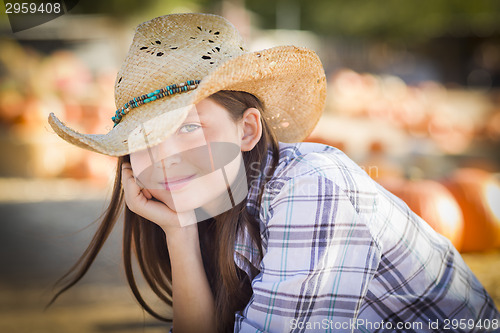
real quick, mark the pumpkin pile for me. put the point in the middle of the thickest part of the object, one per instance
(31, 86)
(450, 118)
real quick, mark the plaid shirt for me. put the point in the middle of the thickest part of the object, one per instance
(342, 254)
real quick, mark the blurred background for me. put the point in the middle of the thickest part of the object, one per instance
(413, 98)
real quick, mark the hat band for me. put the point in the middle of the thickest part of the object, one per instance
(152, 96)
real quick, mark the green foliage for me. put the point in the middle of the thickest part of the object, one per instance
(127, 8)
(389, 19)
(399, 20)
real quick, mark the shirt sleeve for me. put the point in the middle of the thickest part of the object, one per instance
(319, 257)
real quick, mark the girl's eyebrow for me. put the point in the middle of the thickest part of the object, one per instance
(195, 112)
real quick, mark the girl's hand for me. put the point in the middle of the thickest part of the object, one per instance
(193, 303)
(140, 201)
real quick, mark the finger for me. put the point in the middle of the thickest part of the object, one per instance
(128, 174)
(139, 183)
(138, 201)
(130, 187)
(127, 169)
(147, 194)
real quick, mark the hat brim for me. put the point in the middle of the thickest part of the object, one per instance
(289, 81)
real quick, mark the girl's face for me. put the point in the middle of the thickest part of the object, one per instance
(195, 166)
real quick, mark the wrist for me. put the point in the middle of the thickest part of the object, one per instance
(191, 229)
(181, 236)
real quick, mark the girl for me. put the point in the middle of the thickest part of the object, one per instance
(239, 231)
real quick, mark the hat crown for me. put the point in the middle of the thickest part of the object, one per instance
(173, 49)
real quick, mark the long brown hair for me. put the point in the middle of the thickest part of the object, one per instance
(146, 240)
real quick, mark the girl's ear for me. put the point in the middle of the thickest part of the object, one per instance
(251, 129)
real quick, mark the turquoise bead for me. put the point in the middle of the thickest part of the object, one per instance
(152, 96)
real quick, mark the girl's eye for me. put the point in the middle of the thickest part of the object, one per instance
(188, 128)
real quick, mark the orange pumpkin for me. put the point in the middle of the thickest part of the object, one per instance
(433, 203)
(478, 194)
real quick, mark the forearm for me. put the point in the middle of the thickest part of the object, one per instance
(193, 303)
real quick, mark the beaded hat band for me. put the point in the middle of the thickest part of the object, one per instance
(202, 54)
(152, 96)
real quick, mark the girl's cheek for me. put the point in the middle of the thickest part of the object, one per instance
(139, 162)
(197, 158)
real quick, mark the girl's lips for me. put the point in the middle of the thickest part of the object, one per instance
(177, 183)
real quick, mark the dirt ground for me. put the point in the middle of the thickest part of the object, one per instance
(486, 267)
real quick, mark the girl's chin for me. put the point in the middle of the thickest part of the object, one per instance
(189, 202)
(175, 208)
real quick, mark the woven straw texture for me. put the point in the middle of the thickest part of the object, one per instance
(290, 81)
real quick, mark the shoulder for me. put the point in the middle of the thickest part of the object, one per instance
(297, 159)
(309, 163)
(316, 191)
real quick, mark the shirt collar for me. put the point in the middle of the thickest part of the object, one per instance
(246, 253)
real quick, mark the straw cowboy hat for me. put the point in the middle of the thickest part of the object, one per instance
(177, 60)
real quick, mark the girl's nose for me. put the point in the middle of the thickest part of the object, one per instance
(167, 154)
(170, 161)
